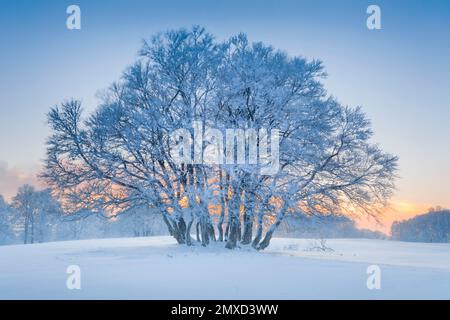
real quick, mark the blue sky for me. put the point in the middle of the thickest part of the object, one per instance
(399, 74)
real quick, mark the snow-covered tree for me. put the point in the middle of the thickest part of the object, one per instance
(38, 213)
(83, 224)
(330, 226)
(433, 226)
(139, 222)
(6, 222)
(122, 155)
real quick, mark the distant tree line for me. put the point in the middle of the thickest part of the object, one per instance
(330, 226)
(433, 226)
(35, 216)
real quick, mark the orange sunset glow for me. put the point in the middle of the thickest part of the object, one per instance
(397, 211)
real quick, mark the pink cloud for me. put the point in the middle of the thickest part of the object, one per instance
(11, 178)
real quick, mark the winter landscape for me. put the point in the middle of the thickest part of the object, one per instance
(290, 269)
(209, 161)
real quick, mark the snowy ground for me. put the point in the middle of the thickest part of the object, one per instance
(157, 268)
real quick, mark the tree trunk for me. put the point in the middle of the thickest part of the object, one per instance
(179, 230)
(258, 234)
(266, 241)
(233, 234)
(32, 230)
(25, 238)
(169, 226)
(248, 229)
(188, 232)
(204, 232)
(212, 233)
(233, 229)
(220, 229)
(182, 229)
(227, 231)
(233, 220)
(222, 206)
(220, 222)
(178, 236)
(197, 231)
(259, 229)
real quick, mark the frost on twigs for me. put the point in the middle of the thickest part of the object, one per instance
(318, 245)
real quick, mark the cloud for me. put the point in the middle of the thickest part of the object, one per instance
(11, 178)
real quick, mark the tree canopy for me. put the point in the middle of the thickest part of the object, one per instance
(122, 155)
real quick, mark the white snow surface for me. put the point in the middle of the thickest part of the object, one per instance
(158, 268)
